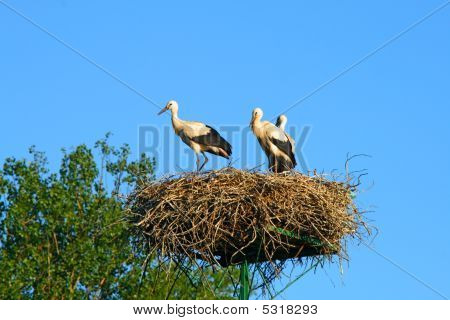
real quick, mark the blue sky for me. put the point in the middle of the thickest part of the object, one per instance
(221, 59)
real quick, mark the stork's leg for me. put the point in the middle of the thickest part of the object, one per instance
(272, 164)
(206, 160)
(198, 161)
(275, 165)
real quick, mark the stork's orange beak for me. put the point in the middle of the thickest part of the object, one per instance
(163, 110)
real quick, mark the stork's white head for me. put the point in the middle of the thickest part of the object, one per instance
(256, 115)
(172, 105)
(281, 121)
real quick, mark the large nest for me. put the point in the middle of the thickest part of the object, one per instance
(228, 216)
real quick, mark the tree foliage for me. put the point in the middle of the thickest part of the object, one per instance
(63, 236)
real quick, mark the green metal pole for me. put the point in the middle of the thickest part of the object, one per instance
(244, 290)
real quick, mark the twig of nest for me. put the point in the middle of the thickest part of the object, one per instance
(225, 217)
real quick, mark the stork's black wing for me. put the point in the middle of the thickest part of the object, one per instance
(214, 139)
(286, 147)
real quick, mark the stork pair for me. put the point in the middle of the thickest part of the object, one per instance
(276, 143)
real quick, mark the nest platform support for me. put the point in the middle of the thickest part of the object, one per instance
(244, 281)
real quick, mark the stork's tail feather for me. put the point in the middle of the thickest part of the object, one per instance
(228, 148)
(225, 149)
(225, 155)
(220, 152)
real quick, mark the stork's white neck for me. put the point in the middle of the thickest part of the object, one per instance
(256, 124)
(177, 123)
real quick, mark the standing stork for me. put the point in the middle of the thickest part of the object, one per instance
(274, 142)
(198, 136)
(281, 123)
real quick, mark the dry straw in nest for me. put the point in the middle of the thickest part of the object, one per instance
(225, 217)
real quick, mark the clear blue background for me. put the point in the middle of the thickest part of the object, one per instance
(219, 60)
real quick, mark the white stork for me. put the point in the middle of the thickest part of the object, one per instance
(198, 136)
(274, 142)
(281, 123)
